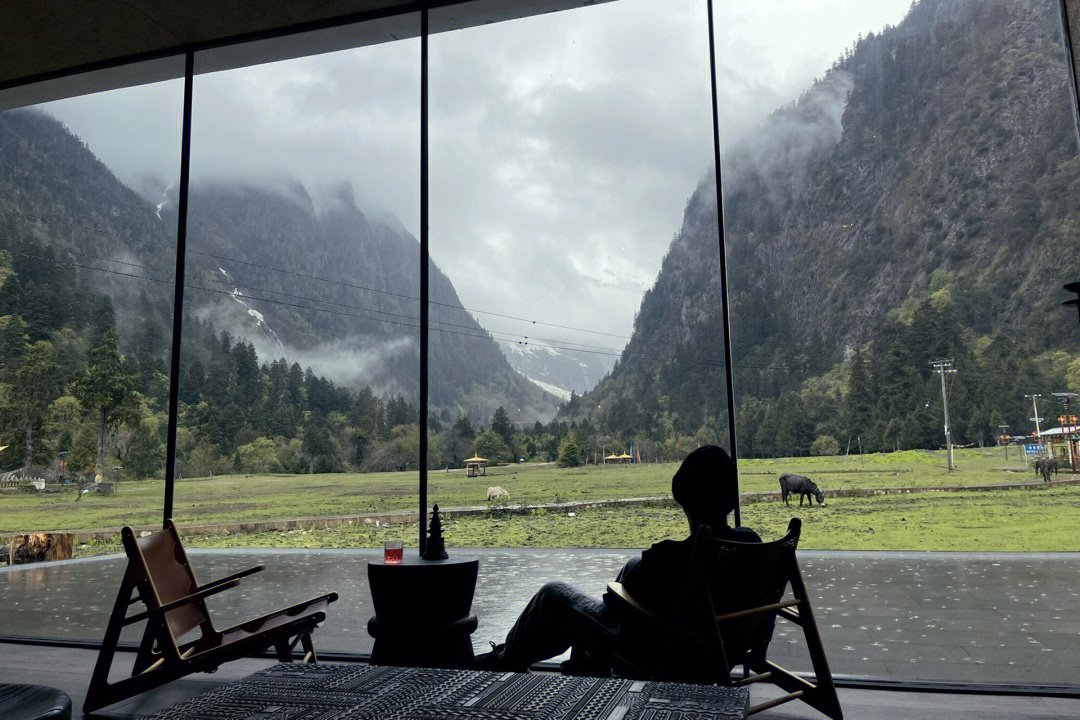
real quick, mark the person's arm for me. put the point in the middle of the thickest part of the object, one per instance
(652, 578)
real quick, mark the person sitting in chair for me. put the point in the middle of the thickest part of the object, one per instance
(559, 616)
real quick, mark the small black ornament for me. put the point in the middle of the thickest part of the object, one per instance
(435, 548)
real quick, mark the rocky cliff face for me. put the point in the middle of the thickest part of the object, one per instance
(935, 160)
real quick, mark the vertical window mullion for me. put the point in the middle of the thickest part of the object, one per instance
(178, 285)
(424, 262)
(722, 244)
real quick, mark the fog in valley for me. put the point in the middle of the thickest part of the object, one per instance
(559, 169)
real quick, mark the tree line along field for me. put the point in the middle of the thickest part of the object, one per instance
(887, 522)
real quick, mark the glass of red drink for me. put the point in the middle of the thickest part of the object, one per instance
(393, 551)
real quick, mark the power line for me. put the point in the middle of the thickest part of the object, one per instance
(565, 344)
(510, 338)
(355, 286)
(513, 337)
(479, 335)
(568, 345)
(579, 347)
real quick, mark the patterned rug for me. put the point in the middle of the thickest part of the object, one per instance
(296, 691)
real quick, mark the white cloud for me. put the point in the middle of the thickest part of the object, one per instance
(563, 147)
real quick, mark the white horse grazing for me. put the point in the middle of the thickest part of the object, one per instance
(494, 493)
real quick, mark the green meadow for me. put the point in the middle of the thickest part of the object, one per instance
(1000, 521)
(1039, 519)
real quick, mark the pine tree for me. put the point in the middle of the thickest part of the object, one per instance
(37, 384)
(107, 391)
(500, 424)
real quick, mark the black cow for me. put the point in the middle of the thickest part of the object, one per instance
(1045, 466)
(803, 486)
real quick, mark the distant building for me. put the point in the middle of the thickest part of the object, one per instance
(475, 466)
(1062, 444)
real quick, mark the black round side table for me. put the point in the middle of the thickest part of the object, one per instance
(422, 612)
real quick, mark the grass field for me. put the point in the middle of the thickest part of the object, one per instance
(269, 497)
(1042, 519)
(1005, 521)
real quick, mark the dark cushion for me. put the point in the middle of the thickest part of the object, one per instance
(33, 702)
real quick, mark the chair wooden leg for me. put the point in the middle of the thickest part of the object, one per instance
(283, 650)
(146, 655)
(98, 693)
(824, 696)
(309, 649)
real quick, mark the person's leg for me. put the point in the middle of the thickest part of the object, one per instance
(555, 617)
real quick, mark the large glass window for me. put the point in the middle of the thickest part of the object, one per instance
(87, 261)
(897, 184)
(300, 357)
(564, 148)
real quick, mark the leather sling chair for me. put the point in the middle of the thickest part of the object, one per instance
(159, 572)
(709, 634)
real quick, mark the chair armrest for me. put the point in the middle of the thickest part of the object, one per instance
(619, 594)
(771, 608)
(234, 576)
(200, 594)
(291, 611)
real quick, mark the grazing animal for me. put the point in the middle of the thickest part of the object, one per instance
(1046, 466)
(803, 486)
(497, 492)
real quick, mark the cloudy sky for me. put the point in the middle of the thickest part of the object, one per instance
(564, 147)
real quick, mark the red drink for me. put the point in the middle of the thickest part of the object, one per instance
(393, 552)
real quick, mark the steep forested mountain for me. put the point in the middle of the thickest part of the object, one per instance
(917, 201)
(315, 280)
(300, 343)
(330, 288)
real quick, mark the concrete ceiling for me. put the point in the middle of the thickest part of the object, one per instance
(60, 48)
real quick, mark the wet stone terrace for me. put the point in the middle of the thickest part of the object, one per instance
(954, 617)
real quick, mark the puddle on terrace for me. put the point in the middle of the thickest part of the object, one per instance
(1006, 618)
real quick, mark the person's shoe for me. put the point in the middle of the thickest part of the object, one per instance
(491, 660)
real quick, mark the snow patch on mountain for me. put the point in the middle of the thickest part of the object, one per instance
(559, 371)
(260, 319)
(558, 392)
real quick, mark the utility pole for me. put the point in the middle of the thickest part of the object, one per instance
(1035, 418)
(1068, 426)
(943, 367)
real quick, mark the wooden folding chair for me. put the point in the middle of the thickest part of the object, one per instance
(709, 635)
(159, 571)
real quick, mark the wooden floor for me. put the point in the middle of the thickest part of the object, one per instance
(69, 670)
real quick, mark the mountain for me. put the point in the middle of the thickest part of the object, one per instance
(559, 371)
(914, 201)
(318, 281)
(313, 281)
